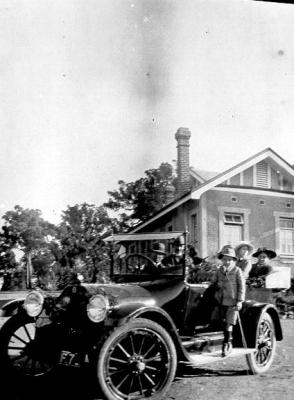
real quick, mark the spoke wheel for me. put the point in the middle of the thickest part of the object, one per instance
(261, 360)
(19, 352)
(137, 360)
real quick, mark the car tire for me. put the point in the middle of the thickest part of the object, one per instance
(137, 360)
(261, 360)
(18, 355)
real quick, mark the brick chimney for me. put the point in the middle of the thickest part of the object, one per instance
(169, 193)
(184, 181)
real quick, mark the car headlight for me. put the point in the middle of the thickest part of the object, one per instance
(33, 303)
(97, 308)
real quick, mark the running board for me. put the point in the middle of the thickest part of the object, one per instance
(207, 358)
(208, 341)
(212, 337)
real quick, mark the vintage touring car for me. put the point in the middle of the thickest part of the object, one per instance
(135, 331)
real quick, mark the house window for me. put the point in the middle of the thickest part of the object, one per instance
(233, 228)
(233, 225)
(287, 235)
(233, 218)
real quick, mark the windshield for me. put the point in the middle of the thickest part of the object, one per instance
(149, 259)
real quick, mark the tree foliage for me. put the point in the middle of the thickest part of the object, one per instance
(136, 201)
(24, 229)
(76, 245)
(7, 243)
(81, 235)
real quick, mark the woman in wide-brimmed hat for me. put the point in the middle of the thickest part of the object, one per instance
(269, 253)
(243, 251)
(262, 268)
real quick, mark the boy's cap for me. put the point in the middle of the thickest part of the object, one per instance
(227, 251)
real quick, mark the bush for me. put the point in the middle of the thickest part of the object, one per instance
(203, 272)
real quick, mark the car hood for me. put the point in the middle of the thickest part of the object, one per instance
(143, 294)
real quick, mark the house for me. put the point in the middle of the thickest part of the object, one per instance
(253, 200)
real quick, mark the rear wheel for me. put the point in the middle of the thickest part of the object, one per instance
(137, 360)
(261, 360)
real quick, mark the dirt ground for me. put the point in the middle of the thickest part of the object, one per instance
(230, 379)
(222, 380)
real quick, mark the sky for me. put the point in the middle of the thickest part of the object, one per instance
(92, 92)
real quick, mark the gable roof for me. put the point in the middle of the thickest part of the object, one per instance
(201, 175)
(242, 166)
(218, 179)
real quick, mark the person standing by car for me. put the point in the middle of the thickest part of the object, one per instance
(243, 251)
(262, 268)
(230, 293)
(195, 266)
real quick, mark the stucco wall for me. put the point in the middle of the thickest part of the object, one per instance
(260, 211)
(260, 216)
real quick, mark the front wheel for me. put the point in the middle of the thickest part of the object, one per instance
(136, 361)
(20, 353)
(261, 360)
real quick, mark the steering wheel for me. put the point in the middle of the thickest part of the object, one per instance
(137, 263)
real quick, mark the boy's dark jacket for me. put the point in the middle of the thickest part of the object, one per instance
(230, 286)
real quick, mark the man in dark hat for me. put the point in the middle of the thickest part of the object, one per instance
(177, 258)
(262, 268)
(158, 249)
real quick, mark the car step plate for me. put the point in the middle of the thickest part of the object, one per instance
(207, 358)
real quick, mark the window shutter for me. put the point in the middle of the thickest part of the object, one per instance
(262, 175)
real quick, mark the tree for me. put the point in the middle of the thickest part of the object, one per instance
(7, 258)
(27, 230)
(7, 243)
(81, 235)
(137, 201)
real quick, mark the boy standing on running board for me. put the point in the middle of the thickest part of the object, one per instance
(230, 293)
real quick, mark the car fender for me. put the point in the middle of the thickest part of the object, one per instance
(11, 308)
(159, 316)
(250, 316)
